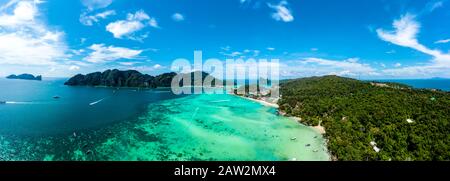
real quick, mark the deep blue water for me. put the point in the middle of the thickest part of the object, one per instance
(443, 84)
(31, 108)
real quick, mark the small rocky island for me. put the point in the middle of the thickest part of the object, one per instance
(128, 78)
(25, 77)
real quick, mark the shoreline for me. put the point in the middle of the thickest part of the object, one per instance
(319, 128)
(265, 103)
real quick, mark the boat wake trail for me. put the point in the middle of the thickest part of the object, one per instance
(195, 113)
(14, 102)
(96, 102)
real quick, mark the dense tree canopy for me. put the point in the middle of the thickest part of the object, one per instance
(405, 123)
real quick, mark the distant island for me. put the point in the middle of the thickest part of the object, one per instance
(25, 77)
(127, 78)
(439, 78)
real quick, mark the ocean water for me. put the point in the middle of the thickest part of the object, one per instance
(31, 108)
(443, 84)
(128, 124)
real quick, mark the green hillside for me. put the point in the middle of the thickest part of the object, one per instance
(405, 123)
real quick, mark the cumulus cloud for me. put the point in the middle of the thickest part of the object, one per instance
(177, 17)
(96, 4)
(283, 13)
(405, 34)
(134, 23)
(89, 20)
(29, 40)
(101, 53)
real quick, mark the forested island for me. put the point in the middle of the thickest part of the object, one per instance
(128, 78)
(25, 77)
(372, 120)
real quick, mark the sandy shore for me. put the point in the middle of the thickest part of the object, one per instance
(319, 128)
(261, 102)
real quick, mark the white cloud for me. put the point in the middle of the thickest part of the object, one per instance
(442, 41)
(24, 13)
(406, 29)
(232, 54)
(348, 67)
(78, 63)
(390, 52)
(177, 17)
(226, 48)
(74, 67)
(152, 70)
(430, 7)
(129, 63)
(29, 40)
(157, 66)
(96, 4)
(305, 67)
(256, 53)
(419, 71)
(227, 51)
(405, 34)
(270, 48)
(282, 12)
(397, 65)
(153, 23)
(100, 53)
(89, 20)
(133, 23)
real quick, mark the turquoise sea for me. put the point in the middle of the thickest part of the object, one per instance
(88, 123)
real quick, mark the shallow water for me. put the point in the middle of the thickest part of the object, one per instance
(196, 127)
(203, 128)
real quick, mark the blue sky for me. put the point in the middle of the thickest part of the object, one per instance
(353, 38)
